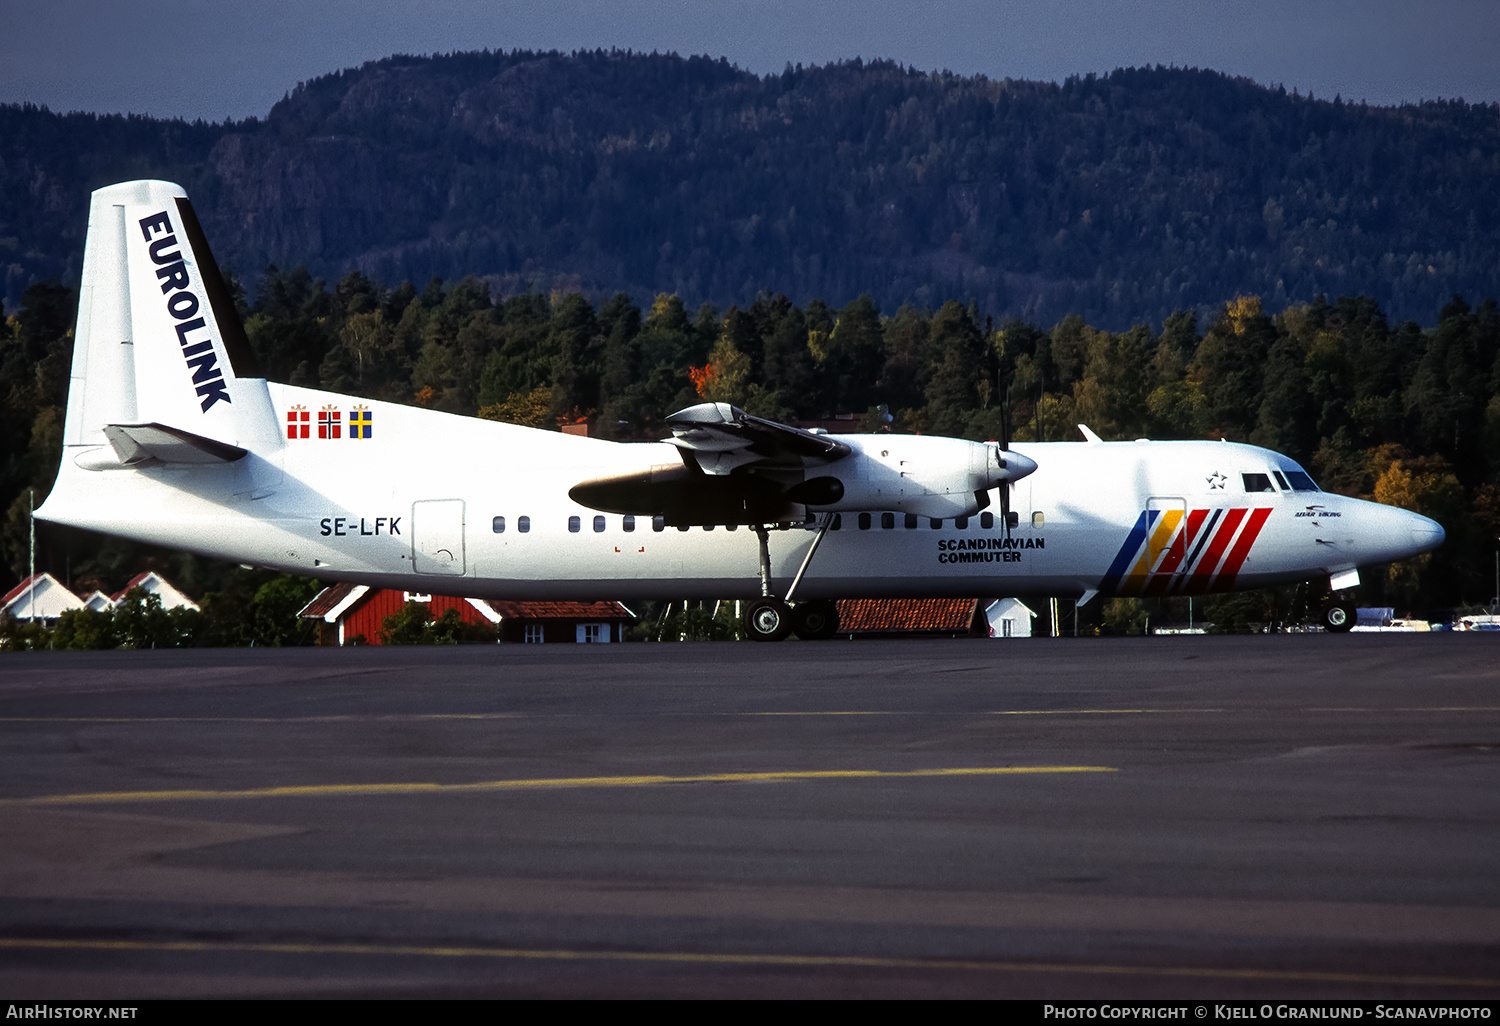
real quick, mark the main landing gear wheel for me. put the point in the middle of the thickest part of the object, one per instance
(817, 620)
(1338, 617)
(767, 619)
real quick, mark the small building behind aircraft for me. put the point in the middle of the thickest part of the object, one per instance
(41, 597)
(98, 601)
(1009, 618)
(53, 599)
(153, 583)
(355, 614)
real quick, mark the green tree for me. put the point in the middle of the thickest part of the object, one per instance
(961, 367)
(855, 355)
(85, 628)
(414, 624)
(1229, 366)
(529, 409)
(141, 622)
(273, 611)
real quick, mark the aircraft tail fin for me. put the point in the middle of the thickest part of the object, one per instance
(159, 352)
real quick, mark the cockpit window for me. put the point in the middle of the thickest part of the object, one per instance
(1258, 483)
(1300, 481)
(1281, 481)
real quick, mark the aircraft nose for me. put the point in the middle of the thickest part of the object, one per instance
(1018, 466)
(1426, 534)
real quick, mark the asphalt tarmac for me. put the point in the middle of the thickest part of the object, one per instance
(1192, 817)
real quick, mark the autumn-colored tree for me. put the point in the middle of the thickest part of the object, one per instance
(529, 409)
(1426, 485)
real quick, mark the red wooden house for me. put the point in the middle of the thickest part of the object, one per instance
(353, 614)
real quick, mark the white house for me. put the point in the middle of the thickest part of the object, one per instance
(156, 585)
(1009, 618)
(40, 595)
(99, 602)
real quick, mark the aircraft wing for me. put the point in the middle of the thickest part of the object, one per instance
(721, 438)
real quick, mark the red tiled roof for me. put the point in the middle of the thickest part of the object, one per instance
(560, 610)
(942, 615)
(20, 588)
(326, 599)
(137, 579)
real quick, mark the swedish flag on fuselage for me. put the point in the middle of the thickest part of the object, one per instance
(361, 422)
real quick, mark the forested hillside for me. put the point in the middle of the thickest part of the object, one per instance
(1116, 198)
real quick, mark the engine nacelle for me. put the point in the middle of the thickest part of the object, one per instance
(925, 475)
(930, 476)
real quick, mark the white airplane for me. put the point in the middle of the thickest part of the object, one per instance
(171, 439)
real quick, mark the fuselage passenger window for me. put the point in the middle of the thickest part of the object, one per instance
(498, 525)
(911, 521)
(937, 525)
(628, 524)
(575, 525)
(523, 524)
(961, 523)
(658, 524)
(887, 520)
(598, 524)
(838, 522)
(864, 521)
(986, 521)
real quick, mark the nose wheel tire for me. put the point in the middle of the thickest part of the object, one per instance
(767, 619)
(816, 620)
(1339, 617)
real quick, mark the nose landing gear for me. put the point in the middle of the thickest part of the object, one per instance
(1338, 617)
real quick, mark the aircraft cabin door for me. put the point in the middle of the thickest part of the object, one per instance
(1166, 541)
(437, 536)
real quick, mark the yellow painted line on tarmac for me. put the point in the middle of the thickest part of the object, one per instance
(325, 790)
(703, 958)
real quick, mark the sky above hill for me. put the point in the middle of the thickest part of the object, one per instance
(212, 60)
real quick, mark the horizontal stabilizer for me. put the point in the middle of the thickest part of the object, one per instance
(145, 445)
